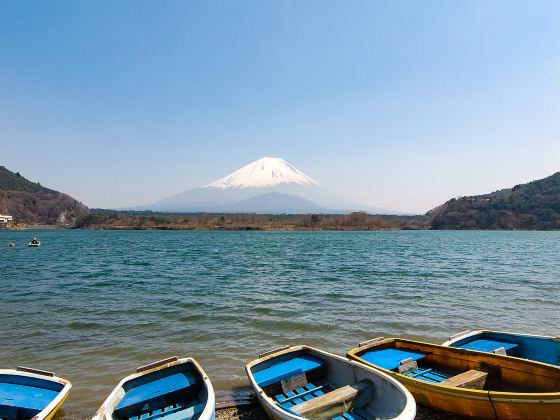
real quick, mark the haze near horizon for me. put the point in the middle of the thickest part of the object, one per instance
(394, 105)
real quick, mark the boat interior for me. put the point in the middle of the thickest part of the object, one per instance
(542, 349)
(176, 392)
(454, 367)
(305, 383)
(24, 397)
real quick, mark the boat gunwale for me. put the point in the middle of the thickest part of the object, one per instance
(209, 406)
(56, 402)
(471, 333)
(517, 396)
(408, 410)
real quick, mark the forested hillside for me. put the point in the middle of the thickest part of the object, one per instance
(31, 203)
(535, 205)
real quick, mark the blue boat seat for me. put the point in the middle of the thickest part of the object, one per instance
(308, 392)
(390, 358)
(286, 369)
(351, 415)
(18, 400)
(298, 395)
(154, 393)
(428, 375)
(172, 412)
(490, 346)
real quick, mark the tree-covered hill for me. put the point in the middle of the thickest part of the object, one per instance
(535, 206)
(10, 181)
(29, 202)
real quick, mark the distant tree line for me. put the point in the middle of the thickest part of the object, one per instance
(104, 219)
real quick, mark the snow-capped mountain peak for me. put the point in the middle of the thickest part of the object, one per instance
(263, 173)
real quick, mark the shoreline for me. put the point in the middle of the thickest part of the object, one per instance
(258, 229)
(35, 227)
(247, 228)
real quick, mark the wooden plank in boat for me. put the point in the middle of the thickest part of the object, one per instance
(472, 379)
(330, 399)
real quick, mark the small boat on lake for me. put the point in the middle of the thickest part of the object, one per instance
(303, 382)
(34, 243)
(541, 348)
(170, 389)
(467, 383)
(27, 393)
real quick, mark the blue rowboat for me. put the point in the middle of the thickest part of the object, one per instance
(170, 389)
(303, 382)
(28, 393)
(540, 348)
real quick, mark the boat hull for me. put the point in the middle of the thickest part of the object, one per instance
(473, 403)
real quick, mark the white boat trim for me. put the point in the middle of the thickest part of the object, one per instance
(470, 333)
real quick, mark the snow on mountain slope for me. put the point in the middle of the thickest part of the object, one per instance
(263, 173)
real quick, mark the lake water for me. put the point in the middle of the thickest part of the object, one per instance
(93, 305)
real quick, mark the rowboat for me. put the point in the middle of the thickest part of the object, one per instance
(27, 393)
(541, 348)
(303, 382)
(465, 382)
(169, 389)
(34, 244)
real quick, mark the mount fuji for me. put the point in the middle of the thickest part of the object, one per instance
(263, 173)
(267, 186)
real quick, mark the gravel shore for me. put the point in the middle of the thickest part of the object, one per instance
(255, 412)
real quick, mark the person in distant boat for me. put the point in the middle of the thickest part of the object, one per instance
(35, 241)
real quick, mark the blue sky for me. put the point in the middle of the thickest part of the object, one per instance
(393, 104)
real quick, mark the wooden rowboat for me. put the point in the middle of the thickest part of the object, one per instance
(28, 393)
(303, 382)
(170, 389)
(467, 383)
(541, 348)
